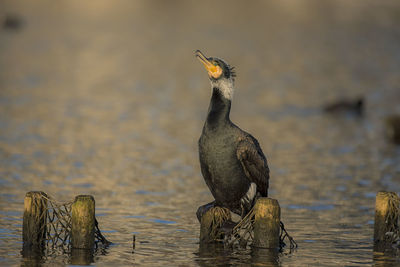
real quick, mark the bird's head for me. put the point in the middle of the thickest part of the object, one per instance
(220, 73)
(216, 68)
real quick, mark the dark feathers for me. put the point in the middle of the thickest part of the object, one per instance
(254, 163)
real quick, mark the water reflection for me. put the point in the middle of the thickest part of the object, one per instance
(32, 257)
(215, 254)
(265, 257)
(81, 256)
(386, 259)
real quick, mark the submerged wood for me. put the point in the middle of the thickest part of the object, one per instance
(34, 221)
(83, 222)
(267, 223)
(386, 225)
(211, 223)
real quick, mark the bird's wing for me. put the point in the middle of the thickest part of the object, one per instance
(254, 163)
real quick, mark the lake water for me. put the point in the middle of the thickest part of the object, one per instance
(106, 98)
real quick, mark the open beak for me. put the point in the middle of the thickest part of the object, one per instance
(213, 70)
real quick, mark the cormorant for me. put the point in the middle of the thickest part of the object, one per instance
(392, 128)
(355, 106)
(232, 163)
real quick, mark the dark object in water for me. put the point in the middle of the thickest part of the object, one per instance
(12, 22)
(232, 162)
(392, 128)
(355, 106)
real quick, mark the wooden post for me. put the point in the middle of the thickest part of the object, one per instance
(133, 243)
(211, 222)
(267, 223)
(83, 222)
(386, 219)
(35, 217)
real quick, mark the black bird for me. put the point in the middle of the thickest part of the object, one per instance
(12, 22)
(355, 106)
(231, 160)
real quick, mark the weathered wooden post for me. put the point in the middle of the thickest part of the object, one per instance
(267, 223)
(35, 217)
(386, 219)
(83, 222)
(211, 223)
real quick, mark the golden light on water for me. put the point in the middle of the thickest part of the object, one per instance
(107, 98)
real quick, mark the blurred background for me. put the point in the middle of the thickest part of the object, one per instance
(106, 98)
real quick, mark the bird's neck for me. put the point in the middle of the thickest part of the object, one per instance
(219, 109)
